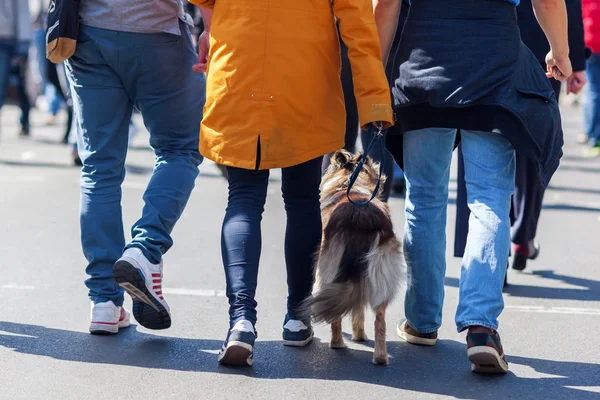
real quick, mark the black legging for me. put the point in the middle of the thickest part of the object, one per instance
(241, 240)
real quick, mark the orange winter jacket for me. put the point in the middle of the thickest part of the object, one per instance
(274, 97)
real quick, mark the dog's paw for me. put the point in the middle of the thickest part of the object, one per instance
(359, 337)
(381, 359)
(337, 344)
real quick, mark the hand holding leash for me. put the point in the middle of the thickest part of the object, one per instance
(376, 129)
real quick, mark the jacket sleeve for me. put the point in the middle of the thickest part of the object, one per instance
(359, 33)
(576, 38)
(203, 3)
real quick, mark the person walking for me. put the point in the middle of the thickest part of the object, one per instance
(591, 21)
(15, 37)
(274, 100)
(133, 53)
(529, 190)
(462, 73)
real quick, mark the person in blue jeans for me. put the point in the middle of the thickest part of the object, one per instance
(591, 105)
(126, 58)
(15, 36)
(462, 73)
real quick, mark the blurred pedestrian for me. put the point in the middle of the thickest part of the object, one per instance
(15, 37)
(591, 22)
(283, 108)
(462, 73)
(130, 53)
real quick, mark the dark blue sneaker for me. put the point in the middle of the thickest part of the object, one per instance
(297, 333)
(239, 345)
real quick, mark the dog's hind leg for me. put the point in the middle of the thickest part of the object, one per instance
(358, 325)
(337, 340)
(380, 356)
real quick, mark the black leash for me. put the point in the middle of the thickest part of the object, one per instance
(378, 136)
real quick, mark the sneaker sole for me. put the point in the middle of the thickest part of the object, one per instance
(236, 354)
(105, 329)
(486, 360)
(147, 310)
(414, 339)
(299, 343)
(102, 329)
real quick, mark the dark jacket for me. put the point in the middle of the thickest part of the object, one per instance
(479, 76)
(533, 36)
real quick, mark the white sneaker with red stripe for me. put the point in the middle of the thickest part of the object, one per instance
(143, 281)
(107, 319)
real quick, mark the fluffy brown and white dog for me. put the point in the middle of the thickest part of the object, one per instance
(360, 262)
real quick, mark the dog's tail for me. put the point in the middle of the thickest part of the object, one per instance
(335, 300)
(386, 271)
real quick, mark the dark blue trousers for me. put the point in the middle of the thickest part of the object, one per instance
(241, 235)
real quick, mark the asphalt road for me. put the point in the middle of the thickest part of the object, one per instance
(549, 326)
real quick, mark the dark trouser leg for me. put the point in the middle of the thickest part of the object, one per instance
(24, 102)
(527, 201)
(300, 186)
(241, 240)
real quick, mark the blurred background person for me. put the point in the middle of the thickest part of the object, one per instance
(591, 22)
(15, 37)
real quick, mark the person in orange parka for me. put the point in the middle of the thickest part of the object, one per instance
(274, 100)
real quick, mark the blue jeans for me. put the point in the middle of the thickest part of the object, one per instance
(110, 73)
(241, 235)
(490, 179)
(591, 106)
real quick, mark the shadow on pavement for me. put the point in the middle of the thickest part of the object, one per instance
(39, 164)
(442, 369)
(569, 207)
(579, 169)
(573, 189)
(590, 289)
(572, 157)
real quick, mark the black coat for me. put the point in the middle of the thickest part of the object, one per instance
(462, 65)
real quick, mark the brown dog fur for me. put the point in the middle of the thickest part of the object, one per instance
(360, 261)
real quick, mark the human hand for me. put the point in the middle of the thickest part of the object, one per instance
(576, 82)
(558, 67)
(203, 49)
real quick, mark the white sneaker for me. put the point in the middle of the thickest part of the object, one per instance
(107, 318)
(143, 281)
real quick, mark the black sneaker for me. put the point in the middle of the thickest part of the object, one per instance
(25, 130)
(239, 345)
(485, 352)
(529, 251)
(296, 333)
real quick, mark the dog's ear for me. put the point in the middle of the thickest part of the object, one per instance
(340, 158)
